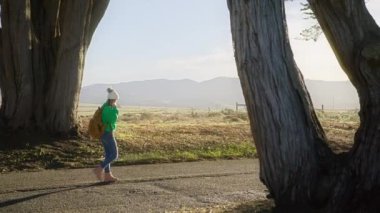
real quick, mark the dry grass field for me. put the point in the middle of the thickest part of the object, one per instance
(146, 129)
(340, 128)
(165, 134)
(157, 135)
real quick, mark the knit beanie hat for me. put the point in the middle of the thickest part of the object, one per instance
(112, 94)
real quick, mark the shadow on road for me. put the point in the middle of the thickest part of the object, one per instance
(69, 188)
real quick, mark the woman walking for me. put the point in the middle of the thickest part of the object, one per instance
(110, 114)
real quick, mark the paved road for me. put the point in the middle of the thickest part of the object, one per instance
(143, 188)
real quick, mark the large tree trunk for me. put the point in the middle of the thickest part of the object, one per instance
(44, 43)
(355, 38)
(289, 138)
(296, 165)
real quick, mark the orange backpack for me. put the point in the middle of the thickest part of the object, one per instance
(96, 127)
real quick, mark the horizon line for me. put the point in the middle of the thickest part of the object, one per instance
(198, 81)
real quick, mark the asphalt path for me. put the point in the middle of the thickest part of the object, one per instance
(142, 188)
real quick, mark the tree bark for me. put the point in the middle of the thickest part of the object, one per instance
(296, 165)
(355, 38)
(289, 138)
(44, 47)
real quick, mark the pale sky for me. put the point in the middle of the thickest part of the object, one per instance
(172, 39)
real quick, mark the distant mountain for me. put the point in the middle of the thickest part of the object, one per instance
(333, 94)
(216, 93)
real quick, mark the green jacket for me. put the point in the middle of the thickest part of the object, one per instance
(109, 117)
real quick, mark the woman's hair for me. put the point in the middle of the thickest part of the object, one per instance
(109, 102)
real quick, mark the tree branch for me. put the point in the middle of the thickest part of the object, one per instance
(355, 38)
(96, 13)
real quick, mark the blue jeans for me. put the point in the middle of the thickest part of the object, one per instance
(110, 150)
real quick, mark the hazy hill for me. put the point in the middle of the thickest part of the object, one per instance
(333, 94)
(215, 93)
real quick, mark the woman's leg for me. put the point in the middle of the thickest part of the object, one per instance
(99, 170)
(107, 154)
(111, 151)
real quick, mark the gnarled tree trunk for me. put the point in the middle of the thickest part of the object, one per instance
(296, 165)
(43, 48)
(355, 38)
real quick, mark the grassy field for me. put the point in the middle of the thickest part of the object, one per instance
(340, 128)
(156, 135)
(147, 135)
(172, 129)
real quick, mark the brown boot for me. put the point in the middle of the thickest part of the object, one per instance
(108, 177)
(98, 171)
